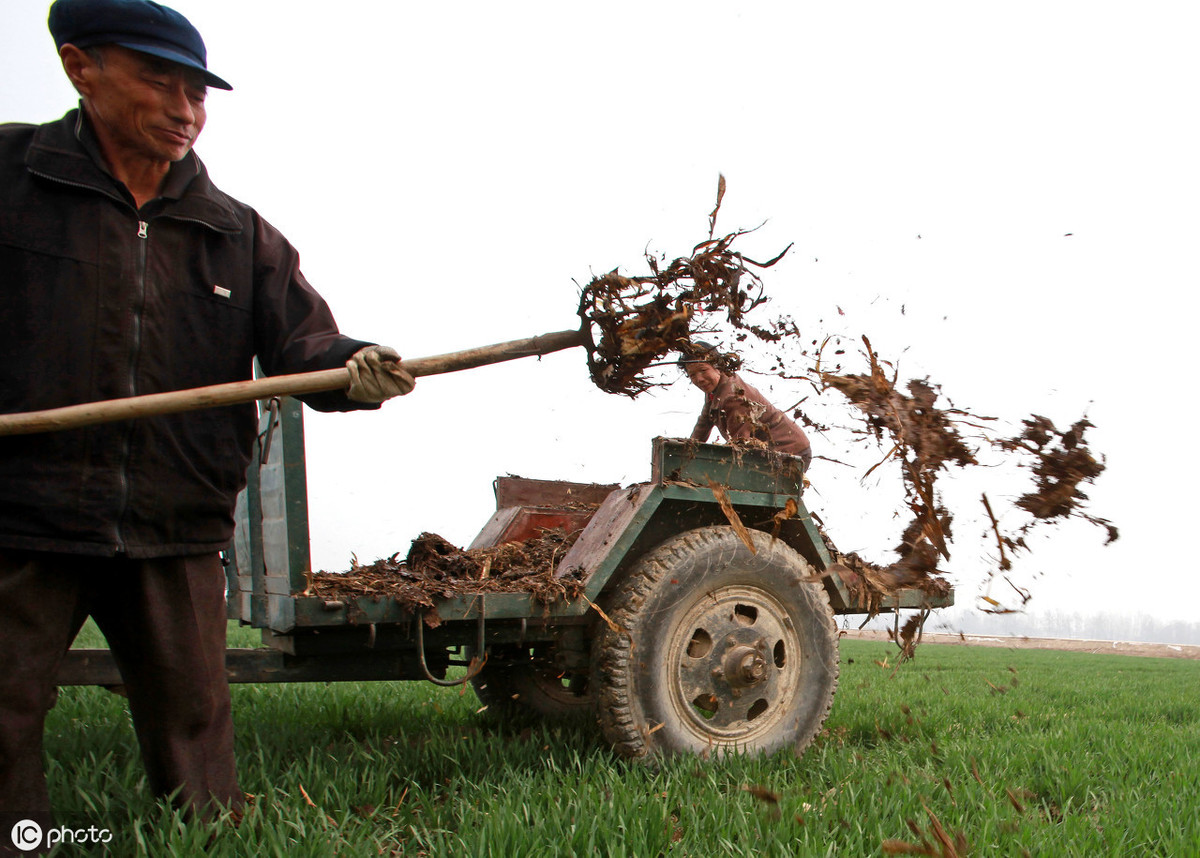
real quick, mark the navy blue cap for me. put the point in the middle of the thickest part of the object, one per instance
(139, 25)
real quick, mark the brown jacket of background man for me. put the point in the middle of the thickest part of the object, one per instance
(742, 414)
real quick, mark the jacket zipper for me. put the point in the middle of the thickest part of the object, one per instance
(140, 281)
(143, 235)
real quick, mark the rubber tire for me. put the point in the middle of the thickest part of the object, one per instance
(645, 672)
(517, 689)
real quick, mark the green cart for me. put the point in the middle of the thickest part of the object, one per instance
(706, 621)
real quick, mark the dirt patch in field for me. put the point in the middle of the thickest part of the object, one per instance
(1146, 650)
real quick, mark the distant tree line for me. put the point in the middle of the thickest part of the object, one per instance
(1105, 626)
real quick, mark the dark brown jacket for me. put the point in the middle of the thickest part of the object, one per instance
(99, 300)
(741, 413)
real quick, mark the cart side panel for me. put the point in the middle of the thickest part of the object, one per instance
(518, 524)
(240, 559)
(610, 535)
(675, 460)
(245, 597)
(271, 538)
(494, 532)
(556, 494)
(295, 478)
(525, 508)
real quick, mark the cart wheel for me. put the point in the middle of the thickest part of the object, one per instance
(718, 649)
(515, 684)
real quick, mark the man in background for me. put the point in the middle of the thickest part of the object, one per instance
(739, 411)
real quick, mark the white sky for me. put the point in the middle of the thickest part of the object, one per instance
(449, 172)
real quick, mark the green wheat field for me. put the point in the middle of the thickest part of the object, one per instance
(961, 751)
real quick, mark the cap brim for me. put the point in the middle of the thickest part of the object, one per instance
(166, 53)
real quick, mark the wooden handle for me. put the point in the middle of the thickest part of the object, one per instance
(175, 401)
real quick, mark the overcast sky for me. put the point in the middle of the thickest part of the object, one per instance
(1002, 197)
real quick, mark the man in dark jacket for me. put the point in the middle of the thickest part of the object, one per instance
(740, 412)
(125, 271)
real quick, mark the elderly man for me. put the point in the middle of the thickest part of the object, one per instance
(125, 271)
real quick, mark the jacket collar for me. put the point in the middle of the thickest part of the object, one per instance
(723, 389)
(66, 151)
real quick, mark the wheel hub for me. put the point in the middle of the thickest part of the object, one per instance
(735, 664)
(744, 666)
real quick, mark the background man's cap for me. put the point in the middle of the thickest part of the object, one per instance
(139, 25)
(701, 352)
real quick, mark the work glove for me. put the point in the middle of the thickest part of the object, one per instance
(376, 375)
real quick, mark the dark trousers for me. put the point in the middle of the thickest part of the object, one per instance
(164, 620)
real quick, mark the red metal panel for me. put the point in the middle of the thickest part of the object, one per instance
(559, 494)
